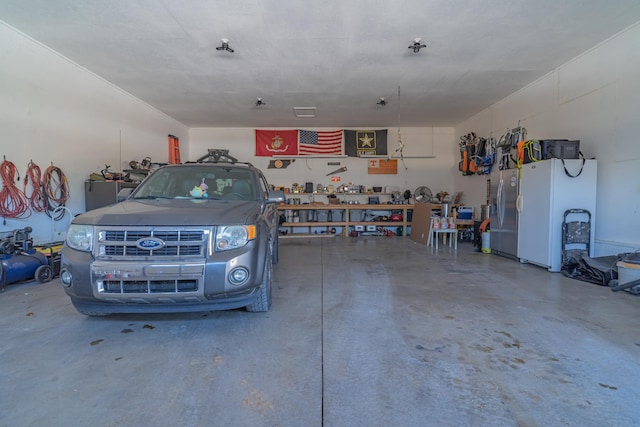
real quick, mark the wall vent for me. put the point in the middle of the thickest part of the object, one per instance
(304, 112)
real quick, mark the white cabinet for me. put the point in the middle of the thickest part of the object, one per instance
(547, 189)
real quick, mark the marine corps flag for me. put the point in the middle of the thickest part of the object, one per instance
(276, 142)
(365, 143)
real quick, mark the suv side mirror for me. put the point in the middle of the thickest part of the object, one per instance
(275, 196)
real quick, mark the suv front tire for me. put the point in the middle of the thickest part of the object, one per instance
(263, 302)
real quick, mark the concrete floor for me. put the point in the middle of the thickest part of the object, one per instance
(369, 331)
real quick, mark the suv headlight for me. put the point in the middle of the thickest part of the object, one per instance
(234, 236)
(80, 237)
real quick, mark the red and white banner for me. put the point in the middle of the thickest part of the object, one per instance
(276, 143)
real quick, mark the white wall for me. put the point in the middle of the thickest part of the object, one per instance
(436, 172)
(54, 111)
(594, 98)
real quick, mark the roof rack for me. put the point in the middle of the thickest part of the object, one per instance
(215, 155)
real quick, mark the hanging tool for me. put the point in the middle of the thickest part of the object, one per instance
(13, 202)
(398, 152)
(56, 190)
(33, 188)
(342, 169)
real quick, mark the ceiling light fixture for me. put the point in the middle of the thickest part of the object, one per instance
(417, 45)
(260, 102)
(225, 46)
(305, 112)
(382, 102)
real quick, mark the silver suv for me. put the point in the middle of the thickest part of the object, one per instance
(191, 237)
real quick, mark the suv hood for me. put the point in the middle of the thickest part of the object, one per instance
(176, 212)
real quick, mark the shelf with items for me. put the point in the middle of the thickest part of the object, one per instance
(311, 229)
(306, 235)
(137, 171)
(354, 198)
(348, 217)
(464, 221)
(465, 229)
(338, 194)
(380, 223)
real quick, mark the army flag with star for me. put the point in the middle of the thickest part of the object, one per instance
(276, 142)
(358, 143)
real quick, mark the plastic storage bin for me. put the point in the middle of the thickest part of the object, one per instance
(355, 215)
(322, 215)
(337, 215)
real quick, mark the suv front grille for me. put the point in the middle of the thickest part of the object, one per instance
(149, 286)
(166, 235)
(121, 243)
(132, 251)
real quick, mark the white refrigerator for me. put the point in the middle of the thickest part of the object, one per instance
(547, 189)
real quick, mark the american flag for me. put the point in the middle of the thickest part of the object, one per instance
(325, 143)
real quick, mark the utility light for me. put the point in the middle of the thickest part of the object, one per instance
(417, 45)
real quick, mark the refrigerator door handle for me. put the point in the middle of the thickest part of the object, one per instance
(500, 204)
(519, 203)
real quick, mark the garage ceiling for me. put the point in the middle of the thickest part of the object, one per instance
(339, 56)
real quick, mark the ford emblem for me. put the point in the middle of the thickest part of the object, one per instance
(150, 243)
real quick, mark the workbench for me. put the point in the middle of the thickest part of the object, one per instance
(346, 222)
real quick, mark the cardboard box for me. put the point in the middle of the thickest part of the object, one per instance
(420, 222)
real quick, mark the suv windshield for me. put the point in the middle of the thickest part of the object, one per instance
(199, 181)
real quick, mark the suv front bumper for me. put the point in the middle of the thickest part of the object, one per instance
(152, 286)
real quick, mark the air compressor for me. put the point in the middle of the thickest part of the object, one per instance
(19, 261)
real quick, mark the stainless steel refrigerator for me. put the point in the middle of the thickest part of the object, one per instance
(504, 216)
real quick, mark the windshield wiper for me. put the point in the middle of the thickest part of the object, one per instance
(175, 198)
(194, 198)
(151, 197)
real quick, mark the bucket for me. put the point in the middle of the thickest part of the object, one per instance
(485, 212)
(628, 272)
(445, 210)
(304, 215)
(486, 243)
(288, 215)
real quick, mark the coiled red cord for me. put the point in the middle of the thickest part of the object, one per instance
(13, 202)
(37, 201)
